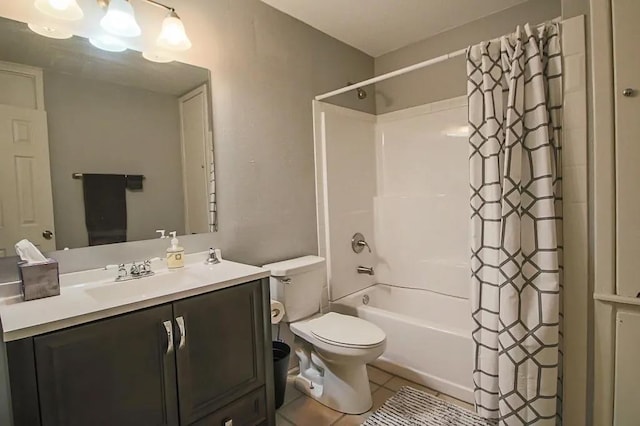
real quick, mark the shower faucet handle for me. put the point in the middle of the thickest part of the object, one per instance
(358, 243)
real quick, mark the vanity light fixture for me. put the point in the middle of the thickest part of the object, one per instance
(108, 43)
(173, 36)
(120, 19)
(50, 32)
(67, 10)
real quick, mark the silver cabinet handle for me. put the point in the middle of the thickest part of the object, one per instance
(168, 326)
(183, 332)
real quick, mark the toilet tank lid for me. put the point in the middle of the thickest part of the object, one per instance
(295, 266)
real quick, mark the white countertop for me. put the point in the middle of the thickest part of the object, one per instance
(92, 295)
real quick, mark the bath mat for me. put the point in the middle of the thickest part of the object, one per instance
(411, 407)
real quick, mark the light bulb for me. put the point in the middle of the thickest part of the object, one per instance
(67, 10)
(172, 35)
(120, 19)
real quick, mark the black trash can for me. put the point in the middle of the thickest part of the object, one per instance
(281, 353)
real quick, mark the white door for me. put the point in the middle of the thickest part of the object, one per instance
(26, 205)
(626, 39)
(197, 155)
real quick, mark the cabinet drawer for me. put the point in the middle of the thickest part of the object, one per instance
(250, 410)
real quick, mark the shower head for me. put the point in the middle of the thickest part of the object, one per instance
(362, 94)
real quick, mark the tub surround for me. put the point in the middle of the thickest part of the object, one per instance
(92, 295)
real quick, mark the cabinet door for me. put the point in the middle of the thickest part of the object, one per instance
(627, 375)
(626, 36)
(221, 356)
(112, 372)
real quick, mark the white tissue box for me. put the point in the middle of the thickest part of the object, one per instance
(39, 280)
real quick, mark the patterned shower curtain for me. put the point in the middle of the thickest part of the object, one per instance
(515, 115)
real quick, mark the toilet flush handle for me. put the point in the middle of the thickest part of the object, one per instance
(285, 280)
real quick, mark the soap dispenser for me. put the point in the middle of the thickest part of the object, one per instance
(175, 253)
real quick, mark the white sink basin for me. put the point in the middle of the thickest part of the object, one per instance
(141, 288)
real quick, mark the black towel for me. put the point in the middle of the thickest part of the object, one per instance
(134, 182)
(105, 208)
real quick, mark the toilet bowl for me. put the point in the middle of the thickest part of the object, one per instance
(333, 349)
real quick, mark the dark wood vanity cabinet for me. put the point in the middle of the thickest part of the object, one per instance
(125, 371)
(216, 365)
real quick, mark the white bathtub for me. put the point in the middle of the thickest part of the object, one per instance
(428, 335)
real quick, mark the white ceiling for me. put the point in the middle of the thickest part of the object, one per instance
(380, 26)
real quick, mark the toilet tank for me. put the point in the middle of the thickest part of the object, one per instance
(298, 285)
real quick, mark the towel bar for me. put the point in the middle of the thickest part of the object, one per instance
(79, 176)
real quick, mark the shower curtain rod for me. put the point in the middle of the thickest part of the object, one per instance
(406, 70)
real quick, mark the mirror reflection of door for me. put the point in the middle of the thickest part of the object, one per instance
(196, 149)
(26, 206)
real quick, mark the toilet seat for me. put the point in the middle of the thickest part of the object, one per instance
(346, 331)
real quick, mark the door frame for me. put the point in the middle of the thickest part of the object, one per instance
(602, 219)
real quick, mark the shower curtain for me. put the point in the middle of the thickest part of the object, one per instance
(515, 115)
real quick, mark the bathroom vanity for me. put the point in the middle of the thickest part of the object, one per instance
(187, 347)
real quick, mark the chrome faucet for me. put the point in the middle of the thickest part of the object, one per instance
(136, 270)
(365, 270)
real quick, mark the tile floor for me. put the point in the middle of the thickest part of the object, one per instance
(300, 410)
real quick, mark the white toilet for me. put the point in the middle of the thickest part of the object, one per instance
(333, 349)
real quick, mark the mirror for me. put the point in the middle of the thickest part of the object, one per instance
(99, 147)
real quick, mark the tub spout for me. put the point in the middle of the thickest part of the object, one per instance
(365, 270)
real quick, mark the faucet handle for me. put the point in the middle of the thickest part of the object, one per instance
(213, 257)
(122, 271)
(363, 243)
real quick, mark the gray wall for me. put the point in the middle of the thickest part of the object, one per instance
(448, 79)
(99, 127)
(266, 68)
